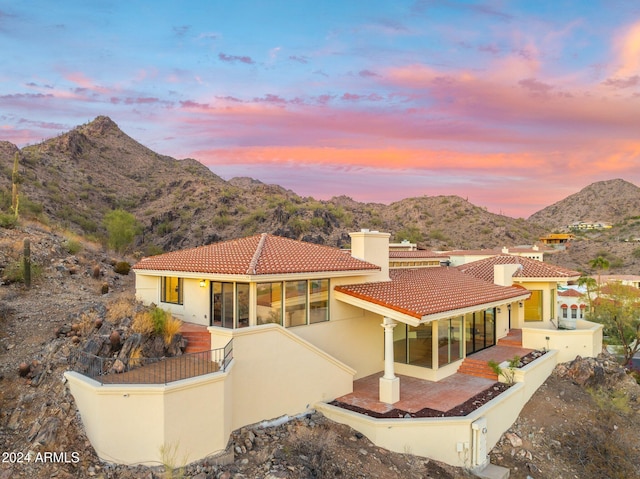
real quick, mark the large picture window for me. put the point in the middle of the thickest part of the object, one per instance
(295, 303)
(533, 306)
(171, 290)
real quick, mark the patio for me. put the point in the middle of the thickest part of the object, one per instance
(417, 394)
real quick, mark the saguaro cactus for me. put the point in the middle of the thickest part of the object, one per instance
(15, 178)
(26, 263)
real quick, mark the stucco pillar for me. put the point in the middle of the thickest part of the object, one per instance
(389, 382)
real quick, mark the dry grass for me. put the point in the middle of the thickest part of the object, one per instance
(123, 307)
(171, 328)
(143, 323)
(135, 357)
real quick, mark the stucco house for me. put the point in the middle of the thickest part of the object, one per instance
(305, 321)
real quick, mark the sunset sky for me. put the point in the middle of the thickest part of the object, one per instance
(513, 105)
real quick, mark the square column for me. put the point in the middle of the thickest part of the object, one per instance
(389, 382)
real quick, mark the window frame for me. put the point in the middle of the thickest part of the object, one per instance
(178, 288)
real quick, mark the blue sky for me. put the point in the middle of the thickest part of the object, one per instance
(511, 104)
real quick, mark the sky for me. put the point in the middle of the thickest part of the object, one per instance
(511, 104)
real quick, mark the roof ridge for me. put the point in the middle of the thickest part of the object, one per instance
(256, 255)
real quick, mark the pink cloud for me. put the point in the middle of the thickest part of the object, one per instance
(235, 59)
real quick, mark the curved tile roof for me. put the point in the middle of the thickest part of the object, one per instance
(256, 255)
(531, 268)
(426, 291)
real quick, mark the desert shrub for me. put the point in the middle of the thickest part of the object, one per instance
(135, 358)
(8, 220)
(122, 267)
(73, 246)
(122, 307)
(159, 319)
(143, 323)
(104, 289)
(316, 445)
(171, 328)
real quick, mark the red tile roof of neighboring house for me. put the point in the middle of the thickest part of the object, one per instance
(531, 268)
(570, 293)
(426, 291)
(256, 255)
(417, 254)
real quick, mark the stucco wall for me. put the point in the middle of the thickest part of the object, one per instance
(277, 373)
(585, 340)
(131, 424)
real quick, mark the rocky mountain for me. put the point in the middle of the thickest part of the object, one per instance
(76, 178)
(613, 201)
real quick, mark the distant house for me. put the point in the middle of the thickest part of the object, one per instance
(557, 240)
(305, 321)
(573, 305)
(589, 225)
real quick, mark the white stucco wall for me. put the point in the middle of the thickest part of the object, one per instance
(130, 424)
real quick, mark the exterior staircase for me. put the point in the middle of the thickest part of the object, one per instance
(198, 338)
(513, 338)
(478, 368)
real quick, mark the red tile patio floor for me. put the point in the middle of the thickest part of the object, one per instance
(417, 394)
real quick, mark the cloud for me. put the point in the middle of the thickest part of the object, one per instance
(621, 83)
(235, 59)
(181, 30)
(367, 74)
(299, 58)
(627, 51)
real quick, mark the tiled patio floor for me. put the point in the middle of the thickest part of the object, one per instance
(417, 394)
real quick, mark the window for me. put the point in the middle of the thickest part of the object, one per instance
(171, 290)
(533, 306)
(295, 303)
(574, 311)
(222, 304)
(318, 300)
(269, 299)
(449, 340)
(564, 311)
(242, 305)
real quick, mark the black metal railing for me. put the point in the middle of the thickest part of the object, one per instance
(151, 370)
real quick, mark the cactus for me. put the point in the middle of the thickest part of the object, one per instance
(16, 180)
(26, 263)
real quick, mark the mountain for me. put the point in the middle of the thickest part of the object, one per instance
(612, 201)
(75, 178)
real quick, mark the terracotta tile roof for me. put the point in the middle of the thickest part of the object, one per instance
(417, 254)
(570, 293)
(531, 268)
(426, 291)
(256, 255)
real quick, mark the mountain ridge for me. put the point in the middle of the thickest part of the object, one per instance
(77, 177)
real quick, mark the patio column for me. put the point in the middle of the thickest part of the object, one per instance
(389, 382)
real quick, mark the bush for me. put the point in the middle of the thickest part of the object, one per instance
(73, 246)
(143, 323)
(171, 328)
(8, 221)
(159, 319)
(122, 267)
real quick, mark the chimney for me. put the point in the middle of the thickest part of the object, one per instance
(503, 273)
(373, 247)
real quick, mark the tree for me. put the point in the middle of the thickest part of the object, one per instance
(617, 310)
(122, 227)
(600, 264)
(590, 284)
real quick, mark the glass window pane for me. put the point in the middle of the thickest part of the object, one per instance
(295, 303)
(318, 300)
(222, 304)
(533, 306)
(400, 343)
(172, 290)
(420, 345)
(449, 340)
(242, 302)
(269, 300)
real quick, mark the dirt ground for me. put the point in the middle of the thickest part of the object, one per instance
(566, 431)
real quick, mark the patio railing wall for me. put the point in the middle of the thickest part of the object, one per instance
(151, 370)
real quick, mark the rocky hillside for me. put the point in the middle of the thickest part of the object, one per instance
(614, 201)
(583, 422)
(77, 177)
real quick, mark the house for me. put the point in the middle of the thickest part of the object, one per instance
(306, 321)
(573, 305)
(557, 240)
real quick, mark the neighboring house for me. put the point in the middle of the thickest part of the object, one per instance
(304, 322)
(416, 259)
(626, 279)
(573, 305)
(557, 240)
(460, 257)
(590, 225)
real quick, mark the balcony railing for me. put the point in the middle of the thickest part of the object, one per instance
(151, 370)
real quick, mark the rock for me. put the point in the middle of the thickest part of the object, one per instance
(514, 439)
(24, 369)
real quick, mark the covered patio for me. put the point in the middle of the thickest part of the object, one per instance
(444, 395)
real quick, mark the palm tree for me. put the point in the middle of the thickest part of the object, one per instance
(590, 284)
(599, 264)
